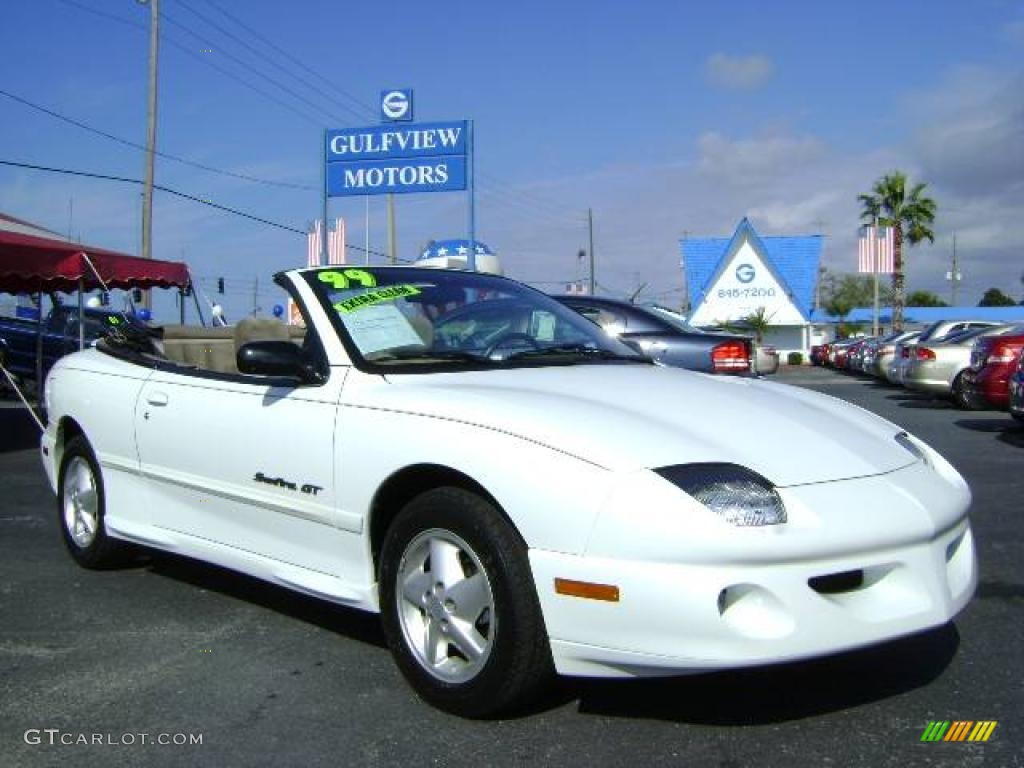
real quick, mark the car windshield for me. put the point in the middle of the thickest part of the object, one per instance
(673, 319)
(410, 319)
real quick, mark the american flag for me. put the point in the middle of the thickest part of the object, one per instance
(335, 243)
(875, 251)
(313, 245)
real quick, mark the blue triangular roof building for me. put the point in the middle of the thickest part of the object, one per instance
(793, 260)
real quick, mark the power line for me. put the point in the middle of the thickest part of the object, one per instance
(168, 190)
(165, 155)
(205, 60)
(360, 104)
(185, 195)
(240, 62)
(231, 35)
(520, 197)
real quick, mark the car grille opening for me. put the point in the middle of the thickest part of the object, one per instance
(837, 583)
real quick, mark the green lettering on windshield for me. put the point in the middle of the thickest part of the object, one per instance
(339, 279)
(369, 298)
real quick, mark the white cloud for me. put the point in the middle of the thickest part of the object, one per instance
(739, 72)
(741, 160)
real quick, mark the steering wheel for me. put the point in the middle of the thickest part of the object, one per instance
(506, 337)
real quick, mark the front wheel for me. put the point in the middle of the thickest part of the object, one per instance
(459, 606)
(81, 505)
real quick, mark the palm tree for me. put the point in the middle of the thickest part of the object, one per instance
(910, 216)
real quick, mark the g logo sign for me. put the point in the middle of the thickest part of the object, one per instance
(745, 273)
(396, 105)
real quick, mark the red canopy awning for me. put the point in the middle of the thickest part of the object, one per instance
(29, 263)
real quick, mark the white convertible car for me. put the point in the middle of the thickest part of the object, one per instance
(514, 491)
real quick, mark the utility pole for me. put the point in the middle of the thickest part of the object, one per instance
(147, 189)
(590, 228)
(954, 275)
(255, 295)
(392, 245)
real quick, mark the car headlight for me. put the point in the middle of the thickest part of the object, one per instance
(738, 495)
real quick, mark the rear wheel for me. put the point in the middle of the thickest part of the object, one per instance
(960, 396)
(459, 606)
(81, 508)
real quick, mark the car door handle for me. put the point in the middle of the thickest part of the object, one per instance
(156, 398)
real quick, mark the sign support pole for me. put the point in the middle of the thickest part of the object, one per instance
(471, 190)
(323, 206)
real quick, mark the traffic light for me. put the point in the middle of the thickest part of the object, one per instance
(220, 285)
(136, 295)
(104, 299)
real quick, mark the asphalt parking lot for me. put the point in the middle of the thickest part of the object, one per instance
(171, 646)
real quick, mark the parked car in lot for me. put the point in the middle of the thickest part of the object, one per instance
(819, 354)
(513, 490)
(665, 337)
(938, 367)
(1017, 391)
(59, 336)
(838, 351)
(986, 384)
(885, 349)
(896, 370)
(766, 359)
(905, 351)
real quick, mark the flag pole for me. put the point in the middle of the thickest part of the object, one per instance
(874, 264)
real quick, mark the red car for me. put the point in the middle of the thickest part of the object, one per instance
(1017, 392)
(993, 362)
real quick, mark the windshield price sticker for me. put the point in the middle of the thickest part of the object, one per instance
(380, 327)
(340, 279)
(375, 297)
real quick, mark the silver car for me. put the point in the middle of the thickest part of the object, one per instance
(937, 366)
(882, 350)
(897, 371)
(899, 357)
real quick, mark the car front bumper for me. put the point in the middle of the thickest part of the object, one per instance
(859, 562)
(677, 619)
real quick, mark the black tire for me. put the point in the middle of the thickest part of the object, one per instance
(100, 551)
(517, 663)
(960, 397)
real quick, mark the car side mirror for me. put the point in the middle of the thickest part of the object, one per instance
(274, 358)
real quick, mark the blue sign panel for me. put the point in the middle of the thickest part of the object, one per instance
(444, 173)
(379, 142)
(396, 105)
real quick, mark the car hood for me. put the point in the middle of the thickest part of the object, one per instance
(626, 417)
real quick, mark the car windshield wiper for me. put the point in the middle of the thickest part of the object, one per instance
(584, 350)
(402, 355)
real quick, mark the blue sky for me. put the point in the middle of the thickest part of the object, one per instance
(664, 117)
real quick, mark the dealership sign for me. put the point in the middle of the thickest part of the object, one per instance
(742, 286)
(381, 159)
(396, 105)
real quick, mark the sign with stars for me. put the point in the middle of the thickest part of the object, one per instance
(445, 248)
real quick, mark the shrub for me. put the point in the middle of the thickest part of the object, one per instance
(795, 358)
